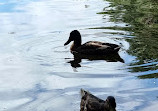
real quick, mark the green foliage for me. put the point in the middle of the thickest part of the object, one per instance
(142, 17)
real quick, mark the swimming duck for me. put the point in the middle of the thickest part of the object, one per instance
(90, 102)
(91, 47)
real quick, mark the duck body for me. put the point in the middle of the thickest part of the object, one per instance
(90, 102)
(96, 48)
(91, 47)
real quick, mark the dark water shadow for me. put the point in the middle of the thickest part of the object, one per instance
(109, 58)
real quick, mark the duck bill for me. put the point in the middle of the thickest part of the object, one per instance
(67, 42)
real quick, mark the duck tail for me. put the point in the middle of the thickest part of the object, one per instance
(117, 49)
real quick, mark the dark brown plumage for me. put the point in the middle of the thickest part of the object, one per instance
(90, 102)
(91, 47)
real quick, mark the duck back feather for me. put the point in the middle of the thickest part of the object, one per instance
(97, 48)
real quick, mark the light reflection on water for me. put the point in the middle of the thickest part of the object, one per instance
(35, 75)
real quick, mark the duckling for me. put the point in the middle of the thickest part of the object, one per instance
(90, 102)
(91, 47)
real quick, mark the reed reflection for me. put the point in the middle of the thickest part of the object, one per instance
(142, 23)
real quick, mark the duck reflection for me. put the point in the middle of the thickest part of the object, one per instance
(115, 57)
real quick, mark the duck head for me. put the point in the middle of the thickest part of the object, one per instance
(74, 36)
(110, 103)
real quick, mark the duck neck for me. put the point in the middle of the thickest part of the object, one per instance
(77, 42)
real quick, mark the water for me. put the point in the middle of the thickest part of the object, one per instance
(35, 71)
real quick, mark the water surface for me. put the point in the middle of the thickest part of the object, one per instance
(36, 74)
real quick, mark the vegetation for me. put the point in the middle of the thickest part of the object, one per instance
(141, 17)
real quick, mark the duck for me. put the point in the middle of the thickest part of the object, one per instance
(89, 102)
(90, 47)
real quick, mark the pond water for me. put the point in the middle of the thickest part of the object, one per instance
(36, 74)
